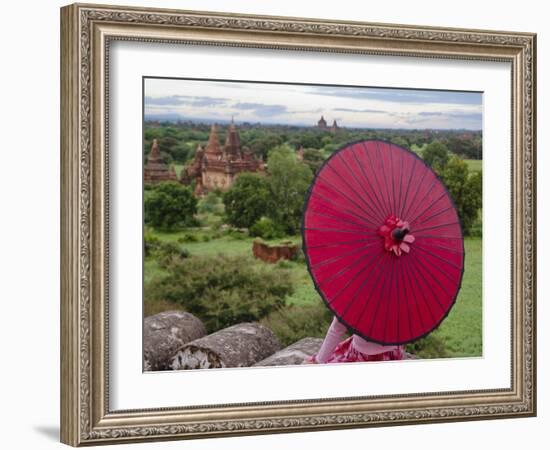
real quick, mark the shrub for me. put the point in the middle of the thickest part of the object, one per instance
(295, 322)
(168, 253)
(150, 243)
(222, 290)
(164, 252)
(266, 229)
(237, 235)
(188, 237)
(284, 264)
(171, 249)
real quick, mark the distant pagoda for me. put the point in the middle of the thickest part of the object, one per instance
(300, 153)
(156, 170)
(334, 127)
(217, 167)
(322, 123)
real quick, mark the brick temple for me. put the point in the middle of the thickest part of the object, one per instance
(323, 125)
(217, 166)
(156, 170)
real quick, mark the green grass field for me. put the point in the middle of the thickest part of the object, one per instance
(460, 333)
(474, 164)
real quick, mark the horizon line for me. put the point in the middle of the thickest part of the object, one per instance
(301, 125)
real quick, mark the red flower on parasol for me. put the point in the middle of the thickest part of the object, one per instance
(391, 242)
(383, 242)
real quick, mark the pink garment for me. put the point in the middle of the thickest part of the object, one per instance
(334, 336)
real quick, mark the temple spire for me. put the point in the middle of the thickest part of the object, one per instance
(213, 145)
(155, 170)
(155, 151)
(232, 145)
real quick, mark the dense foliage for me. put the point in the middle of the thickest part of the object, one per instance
(247, 201)
(179, 140)
(169, 205)
(313, 158)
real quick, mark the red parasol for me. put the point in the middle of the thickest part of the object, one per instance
(383, 242)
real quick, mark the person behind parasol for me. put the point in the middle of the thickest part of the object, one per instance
(384, 247)
(353, 349)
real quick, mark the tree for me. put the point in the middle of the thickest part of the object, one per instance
(436, 155)
(247, 200)
(465, 190)
(401, 141)
(313, 158)
(289, 180)
(311, 139)
(169, 205)
(469, 148)
(261, 145)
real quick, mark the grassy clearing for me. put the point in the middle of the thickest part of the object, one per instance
(474, 164)
(461, 331)
(460, 335)
(204, 242)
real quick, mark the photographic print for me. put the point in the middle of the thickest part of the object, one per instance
(289, 224)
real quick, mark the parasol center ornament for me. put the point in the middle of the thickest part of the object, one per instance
(396, 234)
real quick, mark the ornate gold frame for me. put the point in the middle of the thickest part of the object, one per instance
(86, 31)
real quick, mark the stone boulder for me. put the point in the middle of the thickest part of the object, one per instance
(240, 345)
(165, 333)
(293, 354)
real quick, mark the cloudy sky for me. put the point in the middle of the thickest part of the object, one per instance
(292, 104)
